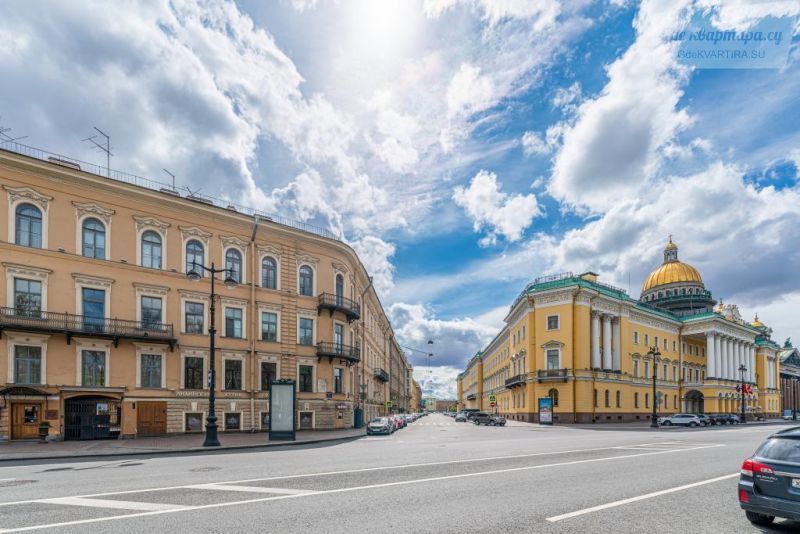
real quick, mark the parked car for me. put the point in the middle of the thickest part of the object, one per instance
(380, 425)
(769, 484)
(461, 417)
(705, 420)
(733, 418)
(683, 419)
(720, 419)
(787, 415)
(401, 421)
(481, 418)
(498, 420)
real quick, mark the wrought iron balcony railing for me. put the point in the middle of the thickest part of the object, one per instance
(517, 380)
(33, 320)
(334, 303)
(349, 353)
(551, 374)
(381, 375)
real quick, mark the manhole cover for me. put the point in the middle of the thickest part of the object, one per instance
(9, 483)
(204, 469)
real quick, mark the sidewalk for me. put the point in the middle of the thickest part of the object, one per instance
(183, 443)
(640, 425)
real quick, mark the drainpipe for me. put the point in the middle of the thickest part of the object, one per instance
(360, 369)
(253, 324)
(680, 366)
(574, 345)
(594, 373)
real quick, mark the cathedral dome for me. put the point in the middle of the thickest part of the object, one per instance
(676, 286)
(672, 271)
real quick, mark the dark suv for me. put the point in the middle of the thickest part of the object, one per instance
(769, 484)
(482, 418)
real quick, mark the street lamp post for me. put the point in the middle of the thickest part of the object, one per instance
(742, 371)
(212, 438)
(794, 399)
(654, 417)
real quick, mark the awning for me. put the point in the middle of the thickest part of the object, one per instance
(22, 391)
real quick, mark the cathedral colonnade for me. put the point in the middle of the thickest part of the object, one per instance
(606, 355)
(727, 353)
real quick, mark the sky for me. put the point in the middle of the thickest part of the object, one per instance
(462, 147)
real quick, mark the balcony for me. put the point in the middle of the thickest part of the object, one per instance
(551, 374)
(515, 381)
(472, 396)
(381, 375)
(334, 303)
(349, 353)
(25, 320)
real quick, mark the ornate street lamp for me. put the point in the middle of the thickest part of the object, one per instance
(742, 371)
(654, 417)
(212, 439)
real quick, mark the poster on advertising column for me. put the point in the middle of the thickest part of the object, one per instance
(546, 411)
(282, 410)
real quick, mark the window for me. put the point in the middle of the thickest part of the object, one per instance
(647, 339)
(655, 341)
(635, 400)
(665, 344)
(666, 371)
(608, 398)
(94, 308)
(646, 400)
(647, 369)
(193, 373)
(595, 398)
(269, 372)
(93, 368)
(269, 273)
(233, 322)
(233, 375)
(233, 421)
(28, 226)
(306, 331)
(552, 359)
(151, 370)
(269, 326)
(27, 365)
(683, 346)
(552, 322)
(339, 288)
(233, 264)
(675, 373)
(636, 338)
(674, 346)
(636, 368)
(306, 382)
(194, 317)
(553, 394)
(193, 422)
(337, 379)
(151, 311)
(619, 399)
(151, 250)
(27, 297)
(306, 281)
(94, 239)
(195, 257)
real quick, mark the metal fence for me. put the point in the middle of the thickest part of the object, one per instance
(35, 320)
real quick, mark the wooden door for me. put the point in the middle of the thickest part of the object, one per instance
(25, 418)
(151, 417)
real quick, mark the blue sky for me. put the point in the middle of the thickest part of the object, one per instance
(463, 147)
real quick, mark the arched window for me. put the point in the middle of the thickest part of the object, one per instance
(151, 250)
(619, 399)
(306, 281)
(233, 263)
(94, 239)
(28, 226)
(269, 273)
(646, 400)
(635, 400)
(608, 399)
(553, 394)
(195, 257)
(339, 288)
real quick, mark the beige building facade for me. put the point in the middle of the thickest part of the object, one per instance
(104, 335)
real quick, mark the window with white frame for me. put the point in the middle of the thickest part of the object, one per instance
(552, 322)
(152, 312)
(233, 264)
(151, 250)
(269, 326)
(233, 322)
(269, 373)
(305, 333)
(636, 337)
(93, 368)
(151, 370)
(553, 357)
(269, 272)
(305, 376)
(27, 364)
(306, 281)
(193, 367)
(27, 297)
(233, 374)
(195, 257)
(636, 368)
(93, 238)
(28, 226)
(194, 317)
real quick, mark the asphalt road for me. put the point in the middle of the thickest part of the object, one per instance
(434, 476)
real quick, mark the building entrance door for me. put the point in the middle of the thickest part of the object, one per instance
(151, 418)
(25, 419)
(91, 418)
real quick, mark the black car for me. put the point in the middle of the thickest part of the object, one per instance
(483, 418)
(769, 484)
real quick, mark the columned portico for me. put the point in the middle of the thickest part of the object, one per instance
(731, 359)
(718, 356)
(711, 362)
(596, 364)
(607, 360)
(615, 356)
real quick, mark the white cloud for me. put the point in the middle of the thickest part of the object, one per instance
(505, 215)
(439, 382)
(469, 92)
(376, 255)
(566, 97)
(534, 145)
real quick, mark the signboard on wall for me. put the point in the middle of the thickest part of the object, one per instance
(545, 411)
(282, 410)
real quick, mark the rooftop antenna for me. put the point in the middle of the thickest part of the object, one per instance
(7, 138)
(105, 148)
(173, 178)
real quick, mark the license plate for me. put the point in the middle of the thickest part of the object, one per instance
(796, 483)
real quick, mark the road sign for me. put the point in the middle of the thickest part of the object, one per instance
(492, 404)
(388, 404)
(492, 398)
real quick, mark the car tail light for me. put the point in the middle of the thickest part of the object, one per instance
(751, 466)
(743, 495)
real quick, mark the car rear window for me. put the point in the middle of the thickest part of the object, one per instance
(781, 449)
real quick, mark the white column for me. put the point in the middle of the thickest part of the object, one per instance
(752, 363)
(607, 363)
(731, 359)
(723, 343)
(711, 356)
(718, 353)
(737, 350)
(615, 357)
(595, 340)
(772, 372)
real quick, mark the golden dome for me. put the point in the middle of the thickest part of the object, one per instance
(670, 273)
(756, 322)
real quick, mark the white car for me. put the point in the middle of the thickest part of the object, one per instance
(683, 419)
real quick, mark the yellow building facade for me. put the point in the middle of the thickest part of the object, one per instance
(103, 334)
(592, 348)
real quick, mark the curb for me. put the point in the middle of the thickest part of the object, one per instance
(165, 452)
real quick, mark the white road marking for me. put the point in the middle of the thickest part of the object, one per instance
(119, 505)
(346, 490)
(250, 489)
(639, 498)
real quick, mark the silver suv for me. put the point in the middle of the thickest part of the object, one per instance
(684, 419)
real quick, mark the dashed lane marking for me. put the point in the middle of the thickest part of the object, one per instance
(120, 505)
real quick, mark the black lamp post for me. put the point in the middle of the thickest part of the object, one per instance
(794, 399)
(654, 417)
(742, 371)
(212, 439)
